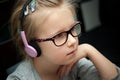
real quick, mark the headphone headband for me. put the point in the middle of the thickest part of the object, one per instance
(26, 8)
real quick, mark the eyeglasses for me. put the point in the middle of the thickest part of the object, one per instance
(61, 38)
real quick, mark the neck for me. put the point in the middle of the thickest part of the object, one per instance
(45, 68)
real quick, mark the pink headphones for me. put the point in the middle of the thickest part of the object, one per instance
(30, 50)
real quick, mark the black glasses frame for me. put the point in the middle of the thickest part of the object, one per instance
(67, 32)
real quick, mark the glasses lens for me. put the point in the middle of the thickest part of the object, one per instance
(60, 39)
(76, 30)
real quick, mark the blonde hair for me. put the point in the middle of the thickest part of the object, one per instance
(28, 21)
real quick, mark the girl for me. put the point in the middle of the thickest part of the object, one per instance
(46, 33)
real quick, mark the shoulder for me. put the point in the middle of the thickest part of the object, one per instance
(84, 62)
(85, 70)
(22, 72)
(118, 76)
(82, 65)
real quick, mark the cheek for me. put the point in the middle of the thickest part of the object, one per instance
(53, 53)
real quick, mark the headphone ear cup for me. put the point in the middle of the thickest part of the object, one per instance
(36, 47)
(33, 49)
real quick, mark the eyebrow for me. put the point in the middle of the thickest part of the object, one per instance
(61, 31)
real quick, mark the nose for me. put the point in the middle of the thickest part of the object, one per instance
(71, 40)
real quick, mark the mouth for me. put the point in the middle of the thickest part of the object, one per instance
(72, 52)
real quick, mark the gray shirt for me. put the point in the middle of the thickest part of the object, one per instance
(83, 70)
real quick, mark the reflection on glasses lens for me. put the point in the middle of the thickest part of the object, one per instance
(76, 30)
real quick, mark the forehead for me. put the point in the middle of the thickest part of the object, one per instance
(54, 21)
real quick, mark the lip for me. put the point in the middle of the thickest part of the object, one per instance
(72, 52)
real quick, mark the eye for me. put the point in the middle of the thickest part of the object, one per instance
(73, 29)
(60, 35)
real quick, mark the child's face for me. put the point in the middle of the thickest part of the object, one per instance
(59, 20)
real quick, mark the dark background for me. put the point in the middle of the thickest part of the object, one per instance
(5, 12)
(105, 37)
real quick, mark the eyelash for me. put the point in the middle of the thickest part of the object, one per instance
(59, 35)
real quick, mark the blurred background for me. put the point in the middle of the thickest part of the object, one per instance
(100, 23)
